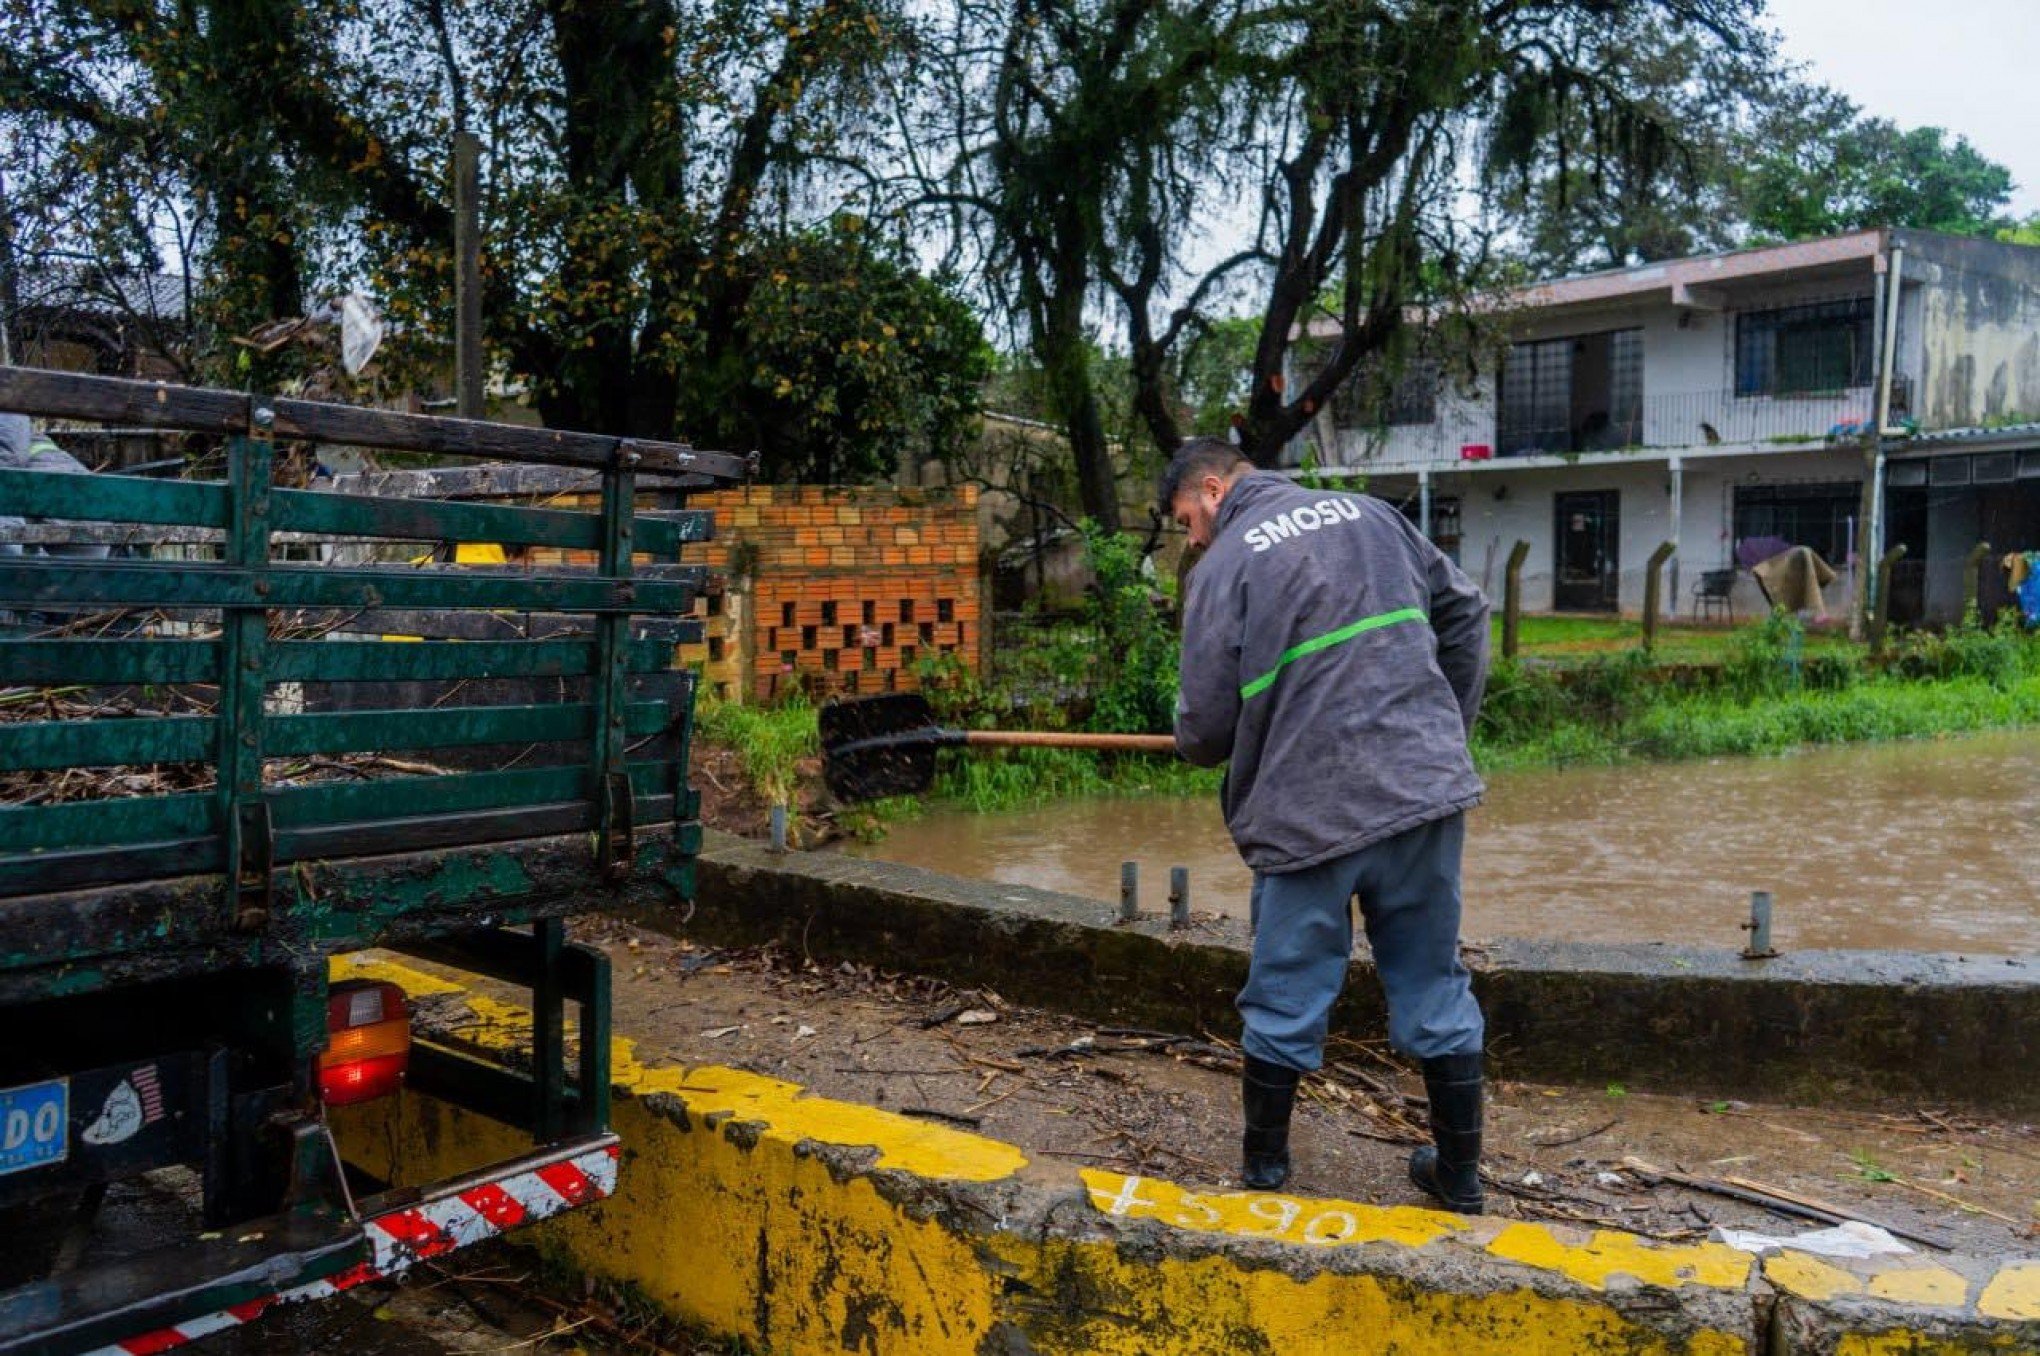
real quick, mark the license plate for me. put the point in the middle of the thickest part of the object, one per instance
(35, 1121)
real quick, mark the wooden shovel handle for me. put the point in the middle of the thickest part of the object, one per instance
(1055, 739)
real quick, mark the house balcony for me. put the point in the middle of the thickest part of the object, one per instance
(1694, 419)
(1683, 422)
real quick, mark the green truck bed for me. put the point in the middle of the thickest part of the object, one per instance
(220, 771)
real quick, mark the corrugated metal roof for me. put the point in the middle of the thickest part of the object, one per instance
(2028, 430)
(87, 288)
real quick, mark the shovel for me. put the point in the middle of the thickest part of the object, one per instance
(885, 746)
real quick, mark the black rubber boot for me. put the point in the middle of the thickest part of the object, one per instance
(1267, 1092)
(1451, 1171)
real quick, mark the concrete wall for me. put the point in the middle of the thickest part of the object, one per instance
(1938, 1029)
(809, 1226)
(1979, 329)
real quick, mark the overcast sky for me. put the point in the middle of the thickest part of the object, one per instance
(1971, 66)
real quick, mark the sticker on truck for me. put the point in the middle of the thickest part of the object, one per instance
(35, 1121)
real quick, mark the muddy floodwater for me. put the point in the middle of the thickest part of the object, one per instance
(1929, 846)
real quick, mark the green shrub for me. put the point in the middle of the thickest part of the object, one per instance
(1136, 651)
(1999, 655)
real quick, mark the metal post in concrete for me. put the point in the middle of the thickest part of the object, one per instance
(1972, 577)
(1424, 503)
(1129, 891)
(1512, 597)
(1651, 593)
(1179, 896)
(1759, 927)
(1881, 613)
(779, 828)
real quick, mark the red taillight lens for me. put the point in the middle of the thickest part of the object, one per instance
(369, 1042)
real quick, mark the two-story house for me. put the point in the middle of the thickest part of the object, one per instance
(1720, 400)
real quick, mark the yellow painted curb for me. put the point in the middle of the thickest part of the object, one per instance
(802, 1224)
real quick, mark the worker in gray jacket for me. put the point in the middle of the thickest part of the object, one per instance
(1335, 659)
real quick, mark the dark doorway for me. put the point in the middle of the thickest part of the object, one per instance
(1588, 535)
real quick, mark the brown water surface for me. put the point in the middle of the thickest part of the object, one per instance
(1930, 846)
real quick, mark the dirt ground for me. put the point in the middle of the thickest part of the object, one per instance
(1166, 1104)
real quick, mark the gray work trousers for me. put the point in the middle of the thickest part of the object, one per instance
(1408, 887)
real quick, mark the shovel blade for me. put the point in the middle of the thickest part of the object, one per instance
(855, 768)
(868, 774)
(851, 720)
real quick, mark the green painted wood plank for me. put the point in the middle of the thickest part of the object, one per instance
(102, 823)
(355, 515)
(447, 727)
(53, 663)
(112, 498)
(106, 742)
(665, 534)
(446, 520)
(36, 583)
(298, 661)
(299, 807)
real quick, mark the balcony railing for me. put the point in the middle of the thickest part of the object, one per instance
(1688, 419)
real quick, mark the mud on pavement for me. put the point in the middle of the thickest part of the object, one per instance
(1166, 1104)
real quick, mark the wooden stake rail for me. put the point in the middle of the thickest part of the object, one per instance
(72, 395)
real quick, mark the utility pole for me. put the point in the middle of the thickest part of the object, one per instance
(467, 275)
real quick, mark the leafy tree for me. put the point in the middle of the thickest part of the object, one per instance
(1653, 185)
(653, 169)
(1213, 371)
(1386, 104)
(1078, 127)
(1818, 166)
(847, 361)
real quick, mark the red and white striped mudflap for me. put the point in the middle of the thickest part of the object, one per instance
(450, 1217)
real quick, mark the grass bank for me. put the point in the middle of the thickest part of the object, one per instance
(1764, 689)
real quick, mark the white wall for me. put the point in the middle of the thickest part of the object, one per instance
(1688, 382)
(1525, 509)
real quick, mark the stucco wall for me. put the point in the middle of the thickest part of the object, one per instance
(1979, 328)
(1688, 381)
(1500, 505)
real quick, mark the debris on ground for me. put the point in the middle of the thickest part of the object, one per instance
(1161, 1103)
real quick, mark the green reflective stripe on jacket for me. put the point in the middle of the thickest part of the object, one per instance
(1326, 641)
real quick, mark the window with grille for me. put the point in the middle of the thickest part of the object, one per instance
(1803, 350)
(1820, 516)
(1536, 398)
(1583, 393)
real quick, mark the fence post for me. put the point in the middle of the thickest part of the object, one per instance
(1882, 611)
(1512, 597)
(1650, 592)
(1972, 577)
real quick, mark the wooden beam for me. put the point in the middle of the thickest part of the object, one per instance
(74, 395)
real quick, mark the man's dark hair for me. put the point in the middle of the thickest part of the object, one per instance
(1195, 458)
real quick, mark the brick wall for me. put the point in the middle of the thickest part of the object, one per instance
(825, 589)
(838, 589)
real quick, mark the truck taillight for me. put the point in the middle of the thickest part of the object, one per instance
(369, 1042)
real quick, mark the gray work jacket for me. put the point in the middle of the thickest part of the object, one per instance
(1337, 658)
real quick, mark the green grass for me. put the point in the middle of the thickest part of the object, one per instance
(1016, 778)
(1769, 689)
(769, 740)
(1698, 725)
(1575, 639)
